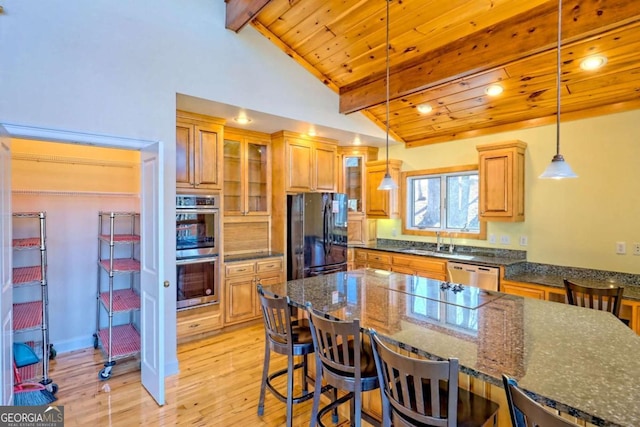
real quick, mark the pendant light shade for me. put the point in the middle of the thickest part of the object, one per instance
(387, 182)
(558, 169)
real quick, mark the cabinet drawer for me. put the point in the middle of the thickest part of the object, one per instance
(361, 256)
(523, 291)
(239, 269)
(420, 263)
(378, 258)
(198, 321)
(274, 264)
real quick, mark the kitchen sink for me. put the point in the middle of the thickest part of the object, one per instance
(426, 252)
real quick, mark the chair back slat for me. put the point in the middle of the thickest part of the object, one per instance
(604, 299)
(424, 390)
(337, 342)
(277, 319)
(525, 412)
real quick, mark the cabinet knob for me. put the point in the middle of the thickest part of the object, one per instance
(166, 283)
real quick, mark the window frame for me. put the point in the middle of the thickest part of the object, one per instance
(481, 235)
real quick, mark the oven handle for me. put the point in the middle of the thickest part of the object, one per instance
(196, 211)
(196, 260)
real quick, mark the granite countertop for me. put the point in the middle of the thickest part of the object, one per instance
(251, 255)
(586, 371)
(552, 275)
(464, 254)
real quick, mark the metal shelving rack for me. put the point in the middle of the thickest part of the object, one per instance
(117, 230)
(31, 318)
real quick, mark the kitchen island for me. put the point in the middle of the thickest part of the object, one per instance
(580, 361)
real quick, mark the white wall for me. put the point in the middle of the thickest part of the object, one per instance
(115, 68)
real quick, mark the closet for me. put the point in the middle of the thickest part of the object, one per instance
(72, 183)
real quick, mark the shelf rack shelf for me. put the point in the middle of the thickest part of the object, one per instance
(121, 340)
(31, 318)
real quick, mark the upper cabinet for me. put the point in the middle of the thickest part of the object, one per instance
(353, 179)
(383, 204)
(309, 164)
(198, 149)
(247, 173)
(501, 170)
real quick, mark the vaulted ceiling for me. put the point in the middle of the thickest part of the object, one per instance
(445, 53)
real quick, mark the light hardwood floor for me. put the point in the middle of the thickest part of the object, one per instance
(218, 385)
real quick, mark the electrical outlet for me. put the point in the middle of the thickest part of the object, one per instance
(636, 248)
(394, 232)
(505, 239)
(621, 248)
(524, 241)
(492, 239)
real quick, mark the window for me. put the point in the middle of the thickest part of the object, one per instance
(443, 201)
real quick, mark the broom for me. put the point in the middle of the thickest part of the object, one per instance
(30, 394)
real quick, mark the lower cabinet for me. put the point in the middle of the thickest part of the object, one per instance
(432, 268)
(196, 322)
(241, 278)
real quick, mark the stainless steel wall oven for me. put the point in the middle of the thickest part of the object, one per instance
(197, 249)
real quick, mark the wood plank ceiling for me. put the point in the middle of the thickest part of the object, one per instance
(446, 52)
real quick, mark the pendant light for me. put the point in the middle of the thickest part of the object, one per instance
(387, 182)
(558, 169)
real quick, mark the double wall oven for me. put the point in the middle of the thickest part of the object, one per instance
(197, 249)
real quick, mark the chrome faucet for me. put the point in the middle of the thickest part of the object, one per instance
(451, 243)
(438, 243)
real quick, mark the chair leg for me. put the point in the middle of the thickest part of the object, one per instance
(334, 416)
(316, 394)
(290, 374)
(357, 402)
(265, 373)
(305, 375)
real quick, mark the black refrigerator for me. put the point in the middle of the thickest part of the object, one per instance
(316, 234)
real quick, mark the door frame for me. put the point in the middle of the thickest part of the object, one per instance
(111, 141)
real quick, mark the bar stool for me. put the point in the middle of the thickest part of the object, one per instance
(287, 337)
(425, 392)
(605, 299)
(526, 412)
(344, 360)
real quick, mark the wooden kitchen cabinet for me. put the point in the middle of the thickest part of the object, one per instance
(501, 174)
(432, 268)
(197, 322)
(241, 279)
(198, 150)
(310, 164)
(247, 173)
(522, 289)
(382, 204)
(352, 182)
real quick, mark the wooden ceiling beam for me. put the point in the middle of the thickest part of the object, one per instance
(523, 35)
(240, 12)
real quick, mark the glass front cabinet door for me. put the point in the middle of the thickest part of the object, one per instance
(353, 183)
(246, 172)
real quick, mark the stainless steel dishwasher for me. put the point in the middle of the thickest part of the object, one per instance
(473, 275)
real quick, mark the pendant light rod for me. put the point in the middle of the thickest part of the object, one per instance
(558, 76)
(558, 169)
(387, 182)
(387, 87)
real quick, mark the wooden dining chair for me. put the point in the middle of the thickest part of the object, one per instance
(526, 412)
(606, 299)
(345, 362)
(290, 337)
(426, 392)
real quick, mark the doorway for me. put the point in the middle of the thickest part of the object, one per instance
(150, 176)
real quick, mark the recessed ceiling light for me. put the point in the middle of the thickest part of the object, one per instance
(494, 90)
(242, 120)
(593, 62)
(424, 108)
